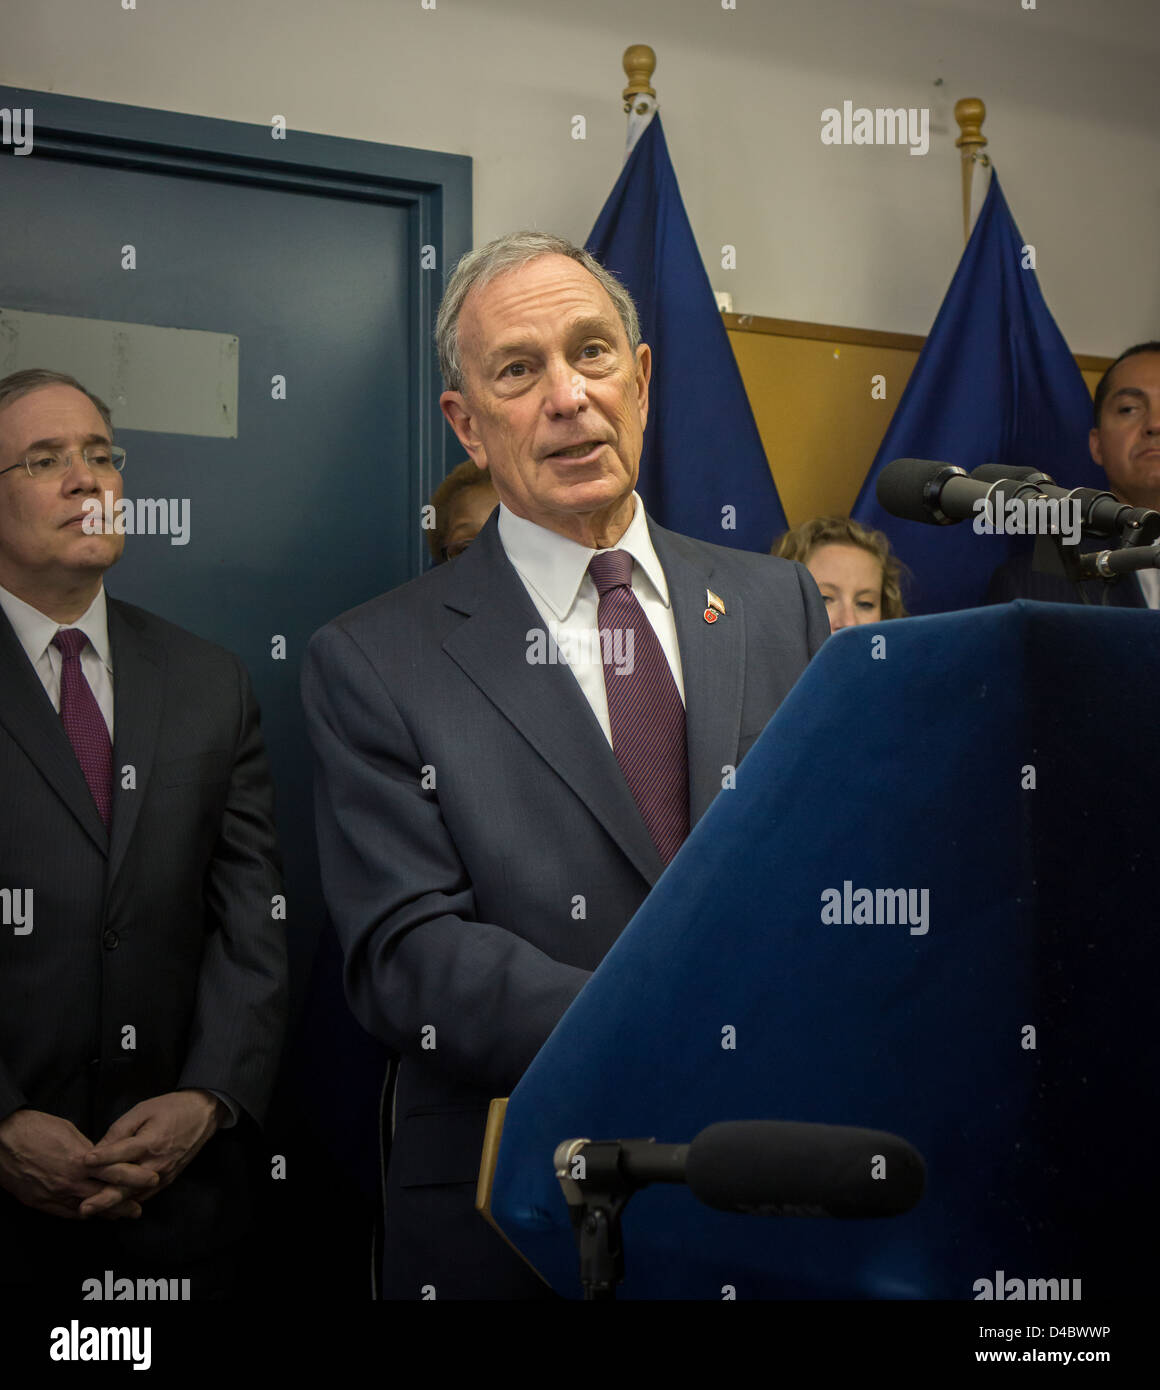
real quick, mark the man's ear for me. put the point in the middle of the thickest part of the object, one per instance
(643, 376)
(1094, 448)
(459, 417)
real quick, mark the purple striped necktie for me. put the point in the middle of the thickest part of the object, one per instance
(644, 705)
(84, 723)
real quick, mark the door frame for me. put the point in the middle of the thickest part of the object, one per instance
(434, 188)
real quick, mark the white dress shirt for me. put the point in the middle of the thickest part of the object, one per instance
(554, 571)
(35, 631)
(1150, 585)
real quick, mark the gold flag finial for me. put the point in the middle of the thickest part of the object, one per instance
(970, 113)
(639, 65)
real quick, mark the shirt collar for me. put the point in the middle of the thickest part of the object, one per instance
(35, 630)
(556, 567)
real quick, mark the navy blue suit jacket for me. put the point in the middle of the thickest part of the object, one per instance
(1015, 578)
(163, 925)
(481, 850)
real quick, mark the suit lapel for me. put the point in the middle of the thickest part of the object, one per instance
(27, 713)
(712, 664)
(544, 702)
(138, 694)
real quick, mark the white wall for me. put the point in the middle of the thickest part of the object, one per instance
(859, 236)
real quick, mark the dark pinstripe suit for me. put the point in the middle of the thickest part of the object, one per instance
(163, 926)
(1017, 579)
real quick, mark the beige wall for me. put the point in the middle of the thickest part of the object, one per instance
(859, 236)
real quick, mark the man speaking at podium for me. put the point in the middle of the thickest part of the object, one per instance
(510, 749)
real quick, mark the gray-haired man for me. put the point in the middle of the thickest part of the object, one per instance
(510, 749)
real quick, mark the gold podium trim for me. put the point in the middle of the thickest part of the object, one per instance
(488, 1159)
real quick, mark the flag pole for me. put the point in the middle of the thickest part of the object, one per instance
(970, 113)
(640, 98)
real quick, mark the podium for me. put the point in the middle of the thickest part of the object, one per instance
(999, 767)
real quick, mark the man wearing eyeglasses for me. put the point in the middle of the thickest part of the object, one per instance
(142, 977)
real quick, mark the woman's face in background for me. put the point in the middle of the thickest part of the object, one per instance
(850, 580)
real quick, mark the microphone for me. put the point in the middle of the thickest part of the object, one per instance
(1100, 512)
(941, 494)
(762, 1168)
(780, 1168)
(1106, 564)
(936, 493)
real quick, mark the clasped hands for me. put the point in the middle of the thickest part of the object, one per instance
(48, 1164)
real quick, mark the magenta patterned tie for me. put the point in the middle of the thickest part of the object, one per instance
(84, 723)
(644, 705)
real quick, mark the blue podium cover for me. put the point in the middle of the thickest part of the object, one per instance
(998, 765)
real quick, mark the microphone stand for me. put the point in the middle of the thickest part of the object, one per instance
(597, 1190)
(1136, 529)
(1133, 544)
(1051, 556)
(1110, 564)
(759, 1167)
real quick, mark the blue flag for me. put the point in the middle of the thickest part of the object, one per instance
(995, 383)
(703, 471)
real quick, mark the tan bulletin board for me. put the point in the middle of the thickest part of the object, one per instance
(811, 386)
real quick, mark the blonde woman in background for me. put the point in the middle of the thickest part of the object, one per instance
(854, 568)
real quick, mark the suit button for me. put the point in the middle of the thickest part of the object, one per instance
(110, 940)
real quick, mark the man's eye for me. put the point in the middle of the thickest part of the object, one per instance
(827, 598)
(595, 348)
(41, 463)
(98, 458)
(514, 369)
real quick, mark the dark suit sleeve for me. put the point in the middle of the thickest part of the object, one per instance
(11, 1096)
(1008, 581)
(817, 619)
(401, 898)
(239, 1016)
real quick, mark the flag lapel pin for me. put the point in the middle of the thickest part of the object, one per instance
(714, 606)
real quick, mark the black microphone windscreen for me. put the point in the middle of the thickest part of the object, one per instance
(901, 488)
(780, 1168)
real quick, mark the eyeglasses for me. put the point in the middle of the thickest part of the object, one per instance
(51, 463)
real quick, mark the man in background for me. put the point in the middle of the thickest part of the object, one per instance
(1125, 443)
(142, 976)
